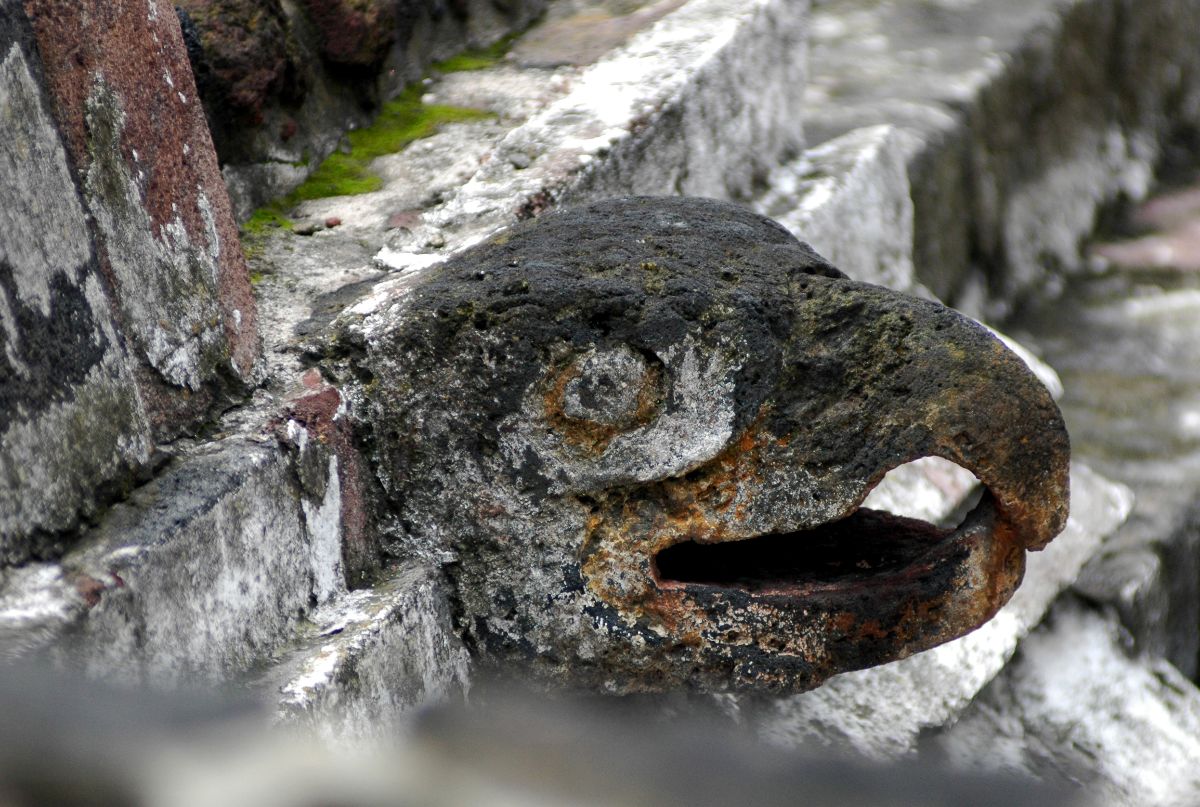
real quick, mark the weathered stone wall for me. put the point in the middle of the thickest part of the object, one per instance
(126, 304)
(63, 361)
(1023, 121)
(283, 81)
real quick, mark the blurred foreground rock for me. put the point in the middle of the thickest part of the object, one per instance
(69, 743)
(1126, 726)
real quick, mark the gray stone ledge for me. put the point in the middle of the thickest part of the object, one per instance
(1024, 119)
(1126, 727)
(374, 656)
(202, 574)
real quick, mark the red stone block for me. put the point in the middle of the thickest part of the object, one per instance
(125, 99)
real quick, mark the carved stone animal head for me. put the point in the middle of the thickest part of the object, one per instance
(638, 435)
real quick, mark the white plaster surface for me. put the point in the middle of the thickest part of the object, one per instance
(167, 286)
(46, 237)
(324, 524)
(377, 654)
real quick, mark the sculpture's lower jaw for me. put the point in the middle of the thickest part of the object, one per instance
(787, 611)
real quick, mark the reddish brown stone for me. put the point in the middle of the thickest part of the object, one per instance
(1174, 242)
(246, 55)
(136, 53)
(404, 220)
(319, 411)
(92, 590)
(355, 33)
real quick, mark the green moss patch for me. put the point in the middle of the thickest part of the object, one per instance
(403, 120)
(400, 121)
(264, 220)
(339, 175)
(479, 58)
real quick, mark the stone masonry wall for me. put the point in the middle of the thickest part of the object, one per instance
(127, 313)
(282, 82)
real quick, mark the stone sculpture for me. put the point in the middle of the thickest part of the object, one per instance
(637, 435)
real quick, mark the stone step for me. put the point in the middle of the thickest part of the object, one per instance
(662, 113)
(372, 657)
(198, 576)
(1019, 122)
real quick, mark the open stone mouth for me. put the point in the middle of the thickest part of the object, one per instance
(863, 549)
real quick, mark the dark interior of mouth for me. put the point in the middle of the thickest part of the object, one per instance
(863, 545)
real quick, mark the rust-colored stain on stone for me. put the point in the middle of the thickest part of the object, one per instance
(642, 432)
(320, 410)
(136, 50)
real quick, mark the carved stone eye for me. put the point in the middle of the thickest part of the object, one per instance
(603, 393)
(606, 387)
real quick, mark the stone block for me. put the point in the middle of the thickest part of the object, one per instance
(122, 90)
(374, 657)
(1126, 727)
(125, 301)
(1028, 117)
(203, 573)
(248, 553)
